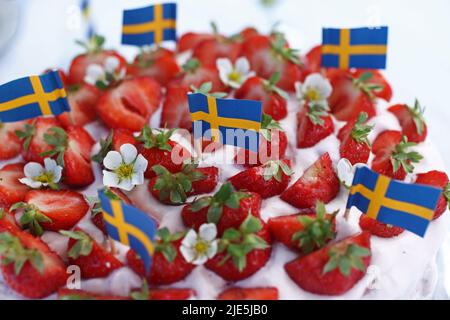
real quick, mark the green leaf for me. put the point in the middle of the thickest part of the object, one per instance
(82, 247)
(346, 257)
(361, 130)
(105, 147)
(214, 213)
(31, 218)
(251, 224)
(363, 83)
(58, 139)
(417, 115)
(29, 130)
(402, 157)
(280, 48)
(143, 294)
(191, 65)
(159, 140)
(165, 243)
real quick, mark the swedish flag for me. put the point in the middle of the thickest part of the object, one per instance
(149, 25)
(354, 48)
(85, 7)
(230, 121)
(406, 205)
(129, 226)
(33, 96)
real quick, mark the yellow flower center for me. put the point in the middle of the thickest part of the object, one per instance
(312, 95)
(124, 171)
(201, 247)
(234, 76)
(45, 177)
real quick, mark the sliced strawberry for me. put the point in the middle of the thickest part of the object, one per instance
(411, 120)
(226, 208)
(130, 104)
(32, 136)
(378, 228)
(94, 55)
(385, 92)
(159, 150)
(162, 293)
(304, 232)
(267, 180)
(272, 144)
(392, 156)
(160, 64)
(273, 99)
(175, 109)
(190, 40)
(436, 179)
(174, 189)
(270, 55)
(11, 189)
(82, 100)
(208, 51)
(29, 267)
(246, 249)
(334, 269)
(313, 125)
(355, 145)
(8, 133)
(318, 183)
(168, 264)
(120, 137)
(351, 96)
(52, 210)
(8, 222)
(74, 294)
(312, 61)
(263, 293)
(94, 261)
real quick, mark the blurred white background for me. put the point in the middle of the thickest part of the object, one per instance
(35, 35)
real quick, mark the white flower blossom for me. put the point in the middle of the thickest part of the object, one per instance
(346, 171)
(127, 168)
(234, 76)
(105, 74)
(37, 176)
(316, 88)
(197, 248)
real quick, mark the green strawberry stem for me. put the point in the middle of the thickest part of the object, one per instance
(361, 130)
(346, 258)
(401, 157)
(31, 218)
(165, 244)
(83, 245)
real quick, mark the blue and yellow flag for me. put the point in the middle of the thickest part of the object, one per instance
(149, 25)
(354, 48)
(85, 6)
(230, 121)
(406, 205)
(32, 97)
(130, 226)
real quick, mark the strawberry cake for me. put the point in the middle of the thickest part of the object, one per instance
(232, 224)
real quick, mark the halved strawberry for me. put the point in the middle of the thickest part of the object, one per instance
(52, 210)
(95, 54)
(268, 55)
(272, 144)
(158, 149)
(437, 179)
(75, 294)
(168, 264)
(8, 222)
(194, 73)
(304, 232)
(130, 104)
(162, 293)
(72, 150)
(120, 137)
(236, 293)
(175, 109)
(267, 180)
(274, 100)
(355, 145)
(392, 155)
(318, 183)
(29, 267)
(174, 188)
(243, 251)
(13, 146)
(160, 64)
(208, 51)
(385, 92)
(32, 137)
(352, 95)
(11, 189)
(312, 61)
(378, 228)
(82, 100)
(314, 124)
(334, 269)
(190, 40)
(248, 32)
(411, 120)
(94, 261)
(226, 208)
